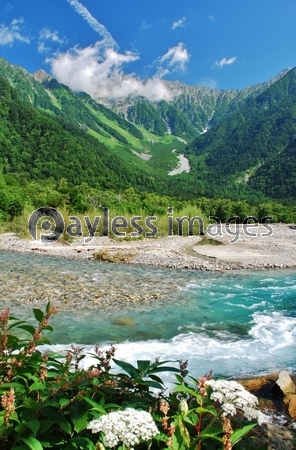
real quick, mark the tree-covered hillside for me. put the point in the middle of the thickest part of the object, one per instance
(233, 153)
(35, 146)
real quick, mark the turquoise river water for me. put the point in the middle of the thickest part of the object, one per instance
(234, 323)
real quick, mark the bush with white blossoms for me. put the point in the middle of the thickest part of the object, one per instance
(232, 396)
(128, 426)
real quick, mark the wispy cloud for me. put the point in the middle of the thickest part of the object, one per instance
(179, 23)
(11, 33)
(208, 82)
(47, 35)
(8, 7)
(93, 23)
(145, 25)
(98, 71)
(212, 18)
(225, 62)
(176, 57)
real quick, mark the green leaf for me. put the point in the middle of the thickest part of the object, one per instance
(39, 315)
(16, 324)
(210, 410)
(34, 425)
(32, 443)
(97, 406)
(47, 309)
(143, 365)
(187, 390)
(149, 383)
(164, 369)
(28, 328)
(238, 434)
(156, 378)
(82, 442)
(81, 423)
(38, 386)
(127, 367)
(59, 419)
(48, 327)
(210, 435)
(45, 425)
(64, 401)
(179, 378)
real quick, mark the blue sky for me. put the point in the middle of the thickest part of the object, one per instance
(116, 47)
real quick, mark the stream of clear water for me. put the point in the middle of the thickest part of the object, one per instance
(234, 323)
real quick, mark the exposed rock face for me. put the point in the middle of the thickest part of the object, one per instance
(286, 383)
(41, 75)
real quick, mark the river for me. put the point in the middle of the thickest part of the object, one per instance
(235, 323)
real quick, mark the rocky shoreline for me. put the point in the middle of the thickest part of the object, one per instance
(277, 401)
(276, 251)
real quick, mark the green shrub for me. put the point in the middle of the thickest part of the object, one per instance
(49, 401)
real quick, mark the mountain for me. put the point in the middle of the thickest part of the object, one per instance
(252, 150)
(130, 142)
(237, 141)
(36, 146)
(192, 109)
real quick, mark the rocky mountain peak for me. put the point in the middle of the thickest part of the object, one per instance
(40, 75)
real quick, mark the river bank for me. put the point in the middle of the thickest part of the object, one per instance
(263, 251)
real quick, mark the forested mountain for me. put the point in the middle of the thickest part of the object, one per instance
(251, 149)
(35, 146)
(241, 144)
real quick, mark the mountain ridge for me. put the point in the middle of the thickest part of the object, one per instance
(223, 133)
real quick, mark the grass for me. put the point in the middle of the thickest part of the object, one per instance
(144, 226)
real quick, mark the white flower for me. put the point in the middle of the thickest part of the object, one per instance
(232, 396)
(128, 426)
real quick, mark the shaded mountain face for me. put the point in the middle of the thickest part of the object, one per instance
(238, 142)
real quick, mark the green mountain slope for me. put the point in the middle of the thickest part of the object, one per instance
(35, 146)
(227, 158)
(239, 139)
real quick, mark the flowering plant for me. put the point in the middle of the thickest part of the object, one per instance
(203, 414)
(48, 401)
(129, 427)
(233, 397)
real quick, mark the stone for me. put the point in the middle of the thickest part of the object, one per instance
(292, 406)
(279, 438)
(286, 383)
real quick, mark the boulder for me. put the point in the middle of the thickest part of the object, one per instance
(279, 438)
(285, 383)
(292, 406)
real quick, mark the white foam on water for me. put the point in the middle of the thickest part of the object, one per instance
(269, 347)
(237, 305)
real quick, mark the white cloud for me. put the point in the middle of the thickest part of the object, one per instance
(176, 57)
(179, 23)
(225, 62)
(48, 35)
(98, 71)
(10, 34)
(93, 23)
